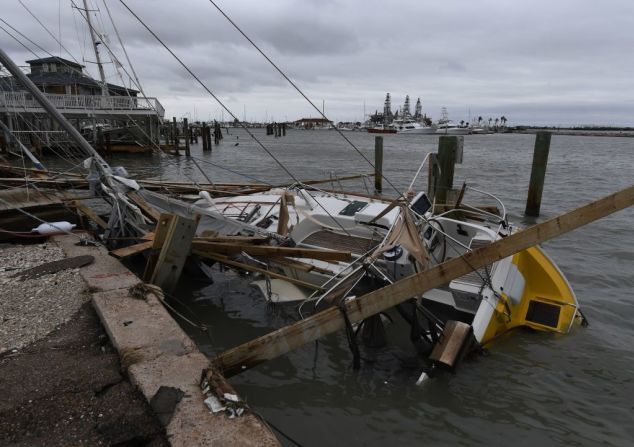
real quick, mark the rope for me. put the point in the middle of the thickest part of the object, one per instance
(352, 341)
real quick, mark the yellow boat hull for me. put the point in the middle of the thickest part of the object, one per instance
(547, 304)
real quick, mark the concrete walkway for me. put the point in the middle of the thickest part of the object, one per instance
(159, 358)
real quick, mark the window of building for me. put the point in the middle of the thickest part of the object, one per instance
(53, 68)
(45, 68)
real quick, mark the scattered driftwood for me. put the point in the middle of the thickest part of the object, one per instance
(54, 267)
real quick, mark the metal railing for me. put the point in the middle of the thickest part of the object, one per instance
(24, 100)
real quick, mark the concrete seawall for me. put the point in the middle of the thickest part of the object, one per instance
(159, 358)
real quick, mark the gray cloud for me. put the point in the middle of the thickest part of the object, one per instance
(564, 62)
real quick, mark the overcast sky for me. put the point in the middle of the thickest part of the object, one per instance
(535, 62)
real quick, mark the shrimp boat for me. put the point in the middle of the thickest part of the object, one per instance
(389, 241)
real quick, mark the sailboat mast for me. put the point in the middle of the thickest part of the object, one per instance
(54, 113)
(93, 37)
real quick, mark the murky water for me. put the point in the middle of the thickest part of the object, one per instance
(533, 388)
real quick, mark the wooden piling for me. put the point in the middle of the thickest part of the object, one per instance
(538, 174)
(175, 130)
(204, 137)
(216, 140)
(447, 152)
(173, 235)
(100, 141)
(432, 175)
(108, 143)
(186, 136)
(378, 164)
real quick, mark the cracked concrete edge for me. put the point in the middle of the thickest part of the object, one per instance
(155, 352)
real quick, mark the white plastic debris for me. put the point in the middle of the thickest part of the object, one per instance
(214, 404)
(53, 228)
(231, 397)
(422, 379)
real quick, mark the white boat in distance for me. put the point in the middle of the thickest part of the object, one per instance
(411, 126)
(449, 128)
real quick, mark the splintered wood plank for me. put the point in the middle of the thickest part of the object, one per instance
(267, 250)
(174, 253)
(331, 320)
(162, 227)
(252, 268)
(145, 207)
(131, 250)
(87, 211)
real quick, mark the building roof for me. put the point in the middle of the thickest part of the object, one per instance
(48, 60)
(313, 120)
(57, 78)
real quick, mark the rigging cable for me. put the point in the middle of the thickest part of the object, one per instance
(301, 93)
(244, 127)
(48, 31)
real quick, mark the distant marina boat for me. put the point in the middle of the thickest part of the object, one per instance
(411, 126)
(447, 127)
(381, 129)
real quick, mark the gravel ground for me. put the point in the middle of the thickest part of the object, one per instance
(30, 309)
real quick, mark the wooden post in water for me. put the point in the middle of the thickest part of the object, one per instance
(447, 150)
(108, 141)
(100, 145)
(176, 137)
(186, 136)
(538, 174)
(432, 175)
(378, 165)
(203, 135)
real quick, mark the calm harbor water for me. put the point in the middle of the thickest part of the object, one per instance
(532, 388)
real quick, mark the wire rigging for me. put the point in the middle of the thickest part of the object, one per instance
(246, 129)
(301, 93)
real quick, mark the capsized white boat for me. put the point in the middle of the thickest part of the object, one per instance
(392, 240)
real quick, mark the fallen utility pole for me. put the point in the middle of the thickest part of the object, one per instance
(331, 320)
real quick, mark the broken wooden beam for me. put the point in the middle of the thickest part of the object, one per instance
(248, 267)
(331, 320)
(270, 251)
(174, 251)
(131, 250)
(87, 211)
(148, 209)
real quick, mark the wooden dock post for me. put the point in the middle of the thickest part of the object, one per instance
(186, 136)
(100, 141)
(538, 174)
(378, 164)
(174, 235)
(432, 175)
(176, 137)
(447, 153)
(203, 135)
(284, 129)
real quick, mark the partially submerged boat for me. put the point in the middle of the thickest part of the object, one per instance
(389, 241)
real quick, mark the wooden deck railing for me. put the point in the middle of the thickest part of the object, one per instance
(85, 102)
